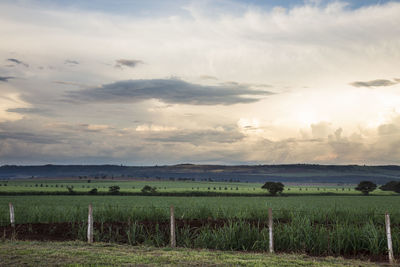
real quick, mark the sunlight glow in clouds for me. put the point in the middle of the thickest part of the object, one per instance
(203, 82)
(9, 101)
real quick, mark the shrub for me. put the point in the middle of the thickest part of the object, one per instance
(391, 186)
(365, 187)
(93, 191)
(273, 187)
(71, 189)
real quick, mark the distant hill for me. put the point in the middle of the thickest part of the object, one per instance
(301, 173)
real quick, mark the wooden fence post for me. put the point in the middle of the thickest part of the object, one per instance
(12, 218)
(271, 233)
(173, 237)
(90, 225)
(389, 238)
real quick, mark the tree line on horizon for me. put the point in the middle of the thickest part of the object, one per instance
(364, 187)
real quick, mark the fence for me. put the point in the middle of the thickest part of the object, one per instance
(173, 228)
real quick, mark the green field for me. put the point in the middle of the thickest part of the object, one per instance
(135, 186)
(31, 209)
(305, 221)
(316, 225)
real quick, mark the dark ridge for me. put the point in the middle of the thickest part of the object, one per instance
(297, 173)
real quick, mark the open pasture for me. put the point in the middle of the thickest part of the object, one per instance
(163, 186)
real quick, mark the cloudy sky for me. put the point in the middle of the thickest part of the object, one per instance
(229, 81)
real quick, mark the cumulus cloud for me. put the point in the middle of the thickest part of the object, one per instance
(173, 91)
(289, 47)
(321, 129)
(17, 61)
(223, 145)
(60, 142)
(375, 83)
(132, 63)
(380, 147)
(389, 129)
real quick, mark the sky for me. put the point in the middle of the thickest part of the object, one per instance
(208, 82)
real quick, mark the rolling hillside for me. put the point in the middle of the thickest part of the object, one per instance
(301, 173)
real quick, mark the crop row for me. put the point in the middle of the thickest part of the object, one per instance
(110, 213)
(322, 209)
(315, 225)
(300, 235)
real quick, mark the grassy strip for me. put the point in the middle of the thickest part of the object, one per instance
(175, 194)
(82, 254)
(169, 194)
(297, 236)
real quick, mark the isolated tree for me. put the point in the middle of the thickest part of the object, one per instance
(397, 188)
(391, 186)
(365, 187)
(273, 187)
(114, 189)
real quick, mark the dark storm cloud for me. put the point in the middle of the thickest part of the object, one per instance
(374, 83)
(5, 79)
(172, 91)
(19, 62)
(127, 62)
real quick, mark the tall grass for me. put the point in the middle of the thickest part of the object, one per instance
(301, 235)
(316, 225)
